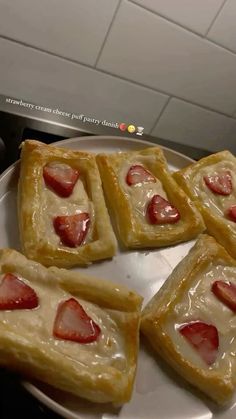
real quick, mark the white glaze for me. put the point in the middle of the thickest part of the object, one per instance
(53, 205)
(37, 325)
(135, 269)
(199, 303)
(217, 203)
(140, 195)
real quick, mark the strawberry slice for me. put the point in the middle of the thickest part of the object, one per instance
(160, 211)
(231, 213)
(204, 338)
(138, 174)
(220, 184)
(15, 294)
(226, 293)
(73, 323)
(61, 178)
(72, 229)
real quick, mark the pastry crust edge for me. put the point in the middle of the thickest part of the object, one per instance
(215, 226)
(129, 228)
(104, 384)
(34, 156)
(206, 249)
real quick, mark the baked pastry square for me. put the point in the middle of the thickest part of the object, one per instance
(62, 214)
(77, 333)
(149, 208)
(211, 184)
(191, 321)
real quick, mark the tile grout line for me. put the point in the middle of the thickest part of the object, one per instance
(203, 37)
(72, 60)
(160, 115)
(122, 78)
(234, 114)
(220, 46)
(50, 53)
(214, 19)
(107, 33)
(185, 28)
(166, 18)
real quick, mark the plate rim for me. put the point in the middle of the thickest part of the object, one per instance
(106, 138)
(30, 387)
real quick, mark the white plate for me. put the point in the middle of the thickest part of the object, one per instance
(158, 392)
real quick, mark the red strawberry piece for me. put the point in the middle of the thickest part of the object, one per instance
(61, 178)
(231, 213)
(226, 293)
(220, 184)
(72, 229)
(160, 211)
(73, 323)
(204, 338)
(138, 174)
(15, 294)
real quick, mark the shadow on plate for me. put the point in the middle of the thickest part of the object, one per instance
(78, 405)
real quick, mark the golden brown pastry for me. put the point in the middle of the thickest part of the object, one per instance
(62, 214)
(77, 333)
(191, 321)
(149, 208)
(211, 184)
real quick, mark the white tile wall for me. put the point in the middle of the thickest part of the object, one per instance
(147, 49)
(224, 29)
(29, 74)
(73, 28)
(196, 15)
(146, 52)
(186, 123)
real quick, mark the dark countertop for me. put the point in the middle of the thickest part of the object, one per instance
(16, 402)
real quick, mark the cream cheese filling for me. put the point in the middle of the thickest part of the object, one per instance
(199, 303)
(36, 325)
(53, 205)
(140, 195)
(219, 204)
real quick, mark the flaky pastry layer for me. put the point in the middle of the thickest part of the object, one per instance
(34, 233)
(190, 179)
(102, 371)
(134, 231)
(186, 296)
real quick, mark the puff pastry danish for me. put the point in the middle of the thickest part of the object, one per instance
(191, 321)
(149, 208)
(211, 184)
(74, 332)
(62, 214)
